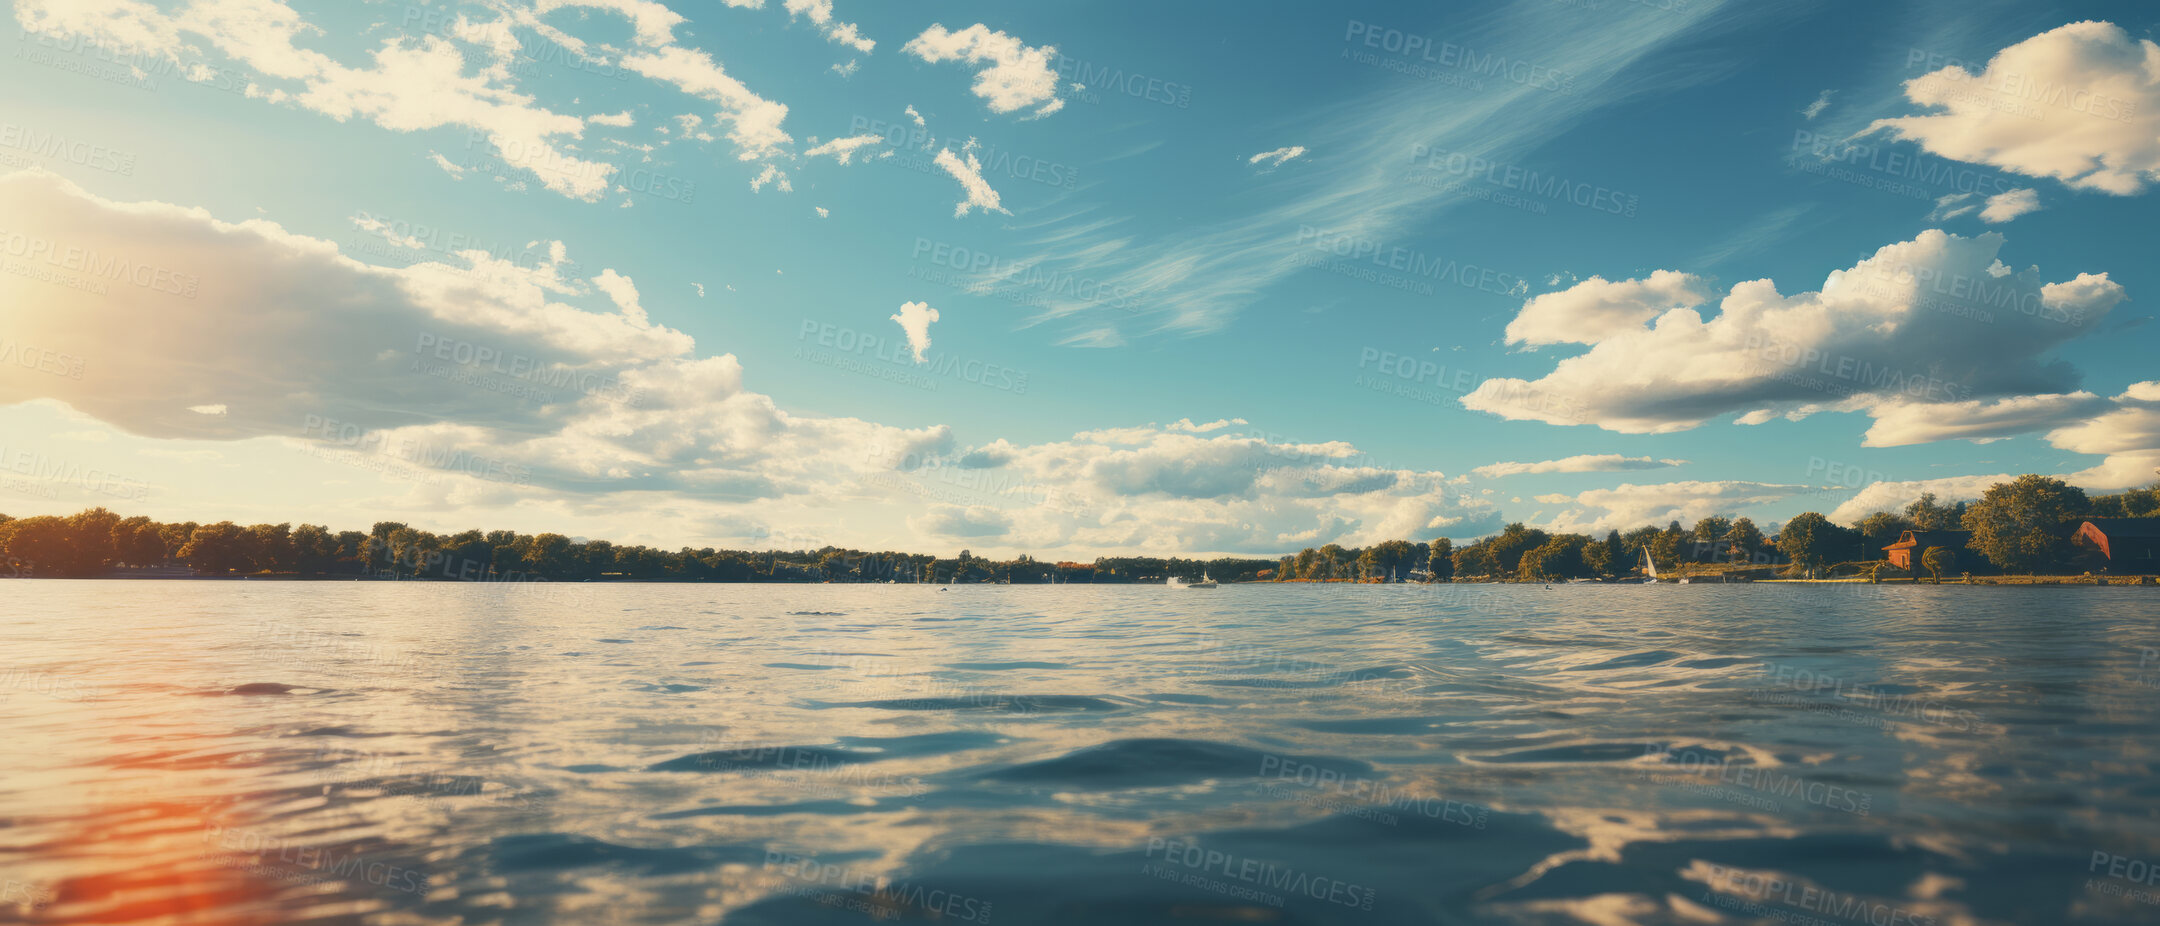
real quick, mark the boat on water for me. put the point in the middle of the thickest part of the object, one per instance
(1205, 582)
(1649, 567)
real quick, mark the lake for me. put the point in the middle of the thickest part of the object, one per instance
(381, 752)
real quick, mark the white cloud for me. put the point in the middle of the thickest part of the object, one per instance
(2080, 103)
(589, 402)
(771, 175)
(1199, 277)
(415, 84)
(914, 319)
(848, 69)
(820, 13)
(1816, 108)
(955, 521)
(822, 212)
(843, 149)
(2007, 205)
(621, 120)
(1276, 157)
(654, 22)
(1630, 506)
(1016, 76)
(1582, 463)
(1980, 421)
(1894, 496)
(1186, 425)
(456, 172)
(755, 120)
(1595, 309)
(912, 114)
(1921, 320)
(969, 173)
(2127, 434)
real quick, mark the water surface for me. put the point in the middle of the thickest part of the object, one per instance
(370, 752)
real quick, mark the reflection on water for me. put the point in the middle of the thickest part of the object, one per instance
(244, 752)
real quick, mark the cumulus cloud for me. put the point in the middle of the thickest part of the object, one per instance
(621, 120)
(1894, 495)
(2080, 103)
(413, 84)
(2128, 435)
(1924, 320)
(1980, 421)
(1014, 76)
(969, 522)
(1630, 506)
(1582, 463)
(478, 361)
(912, 114)
(969, 173)
(1595, 309)
(914, 319)
(1202, 487)
(1276, 157)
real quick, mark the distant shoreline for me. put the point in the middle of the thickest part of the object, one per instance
(2137, 581)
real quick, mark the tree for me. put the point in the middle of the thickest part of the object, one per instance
(271, 547)
(138, 542)
(1809, 539)
(1926, 515)
(1440, 560)
(2023, 525)
(216, 548)
(1703, 540)
(1882, 529)
(46, 545)
(1597, 557)
(1665, 547)
(1936, 560)
(1333, 561)
(1392, 558)
(1511, 543)
(1557, 558)
(1744, 538)
(93, 539)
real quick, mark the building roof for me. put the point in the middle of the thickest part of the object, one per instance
(1921, 539)
(2127, 527)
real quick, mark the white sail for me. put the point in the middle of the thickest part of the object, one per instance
(1649, 566)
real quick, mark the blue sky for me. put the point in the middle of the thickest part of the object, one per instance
(1398, 271)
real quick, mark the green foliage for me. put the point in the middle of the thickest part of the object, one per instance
(1557, 558)
(1936, 561)
(2024, 525)
(1744, 539)
(1926, 515)
(1882, 528)
(1440, 559)
(1809, 540)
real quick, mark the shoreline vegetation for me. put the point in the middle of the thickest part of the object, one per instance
(2020, 533)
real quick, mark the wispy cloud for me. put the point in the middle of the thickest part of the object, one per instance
(1196, 280)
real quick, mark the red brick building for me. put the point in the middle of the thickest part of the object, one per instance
(1911, 545)
(2130, 545)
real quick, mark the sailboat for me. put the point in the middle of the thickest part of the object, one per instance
(1649, 567)
(1205, 582)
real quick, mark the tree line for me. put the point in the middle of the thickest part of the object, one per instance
(2022, 526)
(91, 542)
